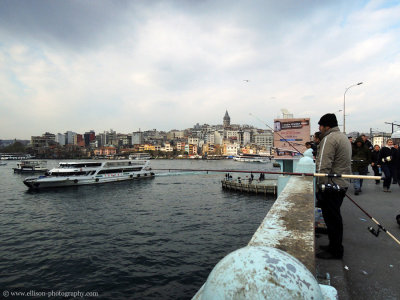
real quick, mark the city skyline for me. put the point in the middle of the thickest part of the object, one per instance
(168, 65)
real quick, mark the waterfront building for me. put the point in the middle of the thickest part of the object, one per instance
(78, 140)
(101, 139)
(230, 149)
(218, 137)
(60, 139)
(193, 140)
(137, 138)
(105, 151)
(111, 138)
(244, 137)
(191, 149)
(45, 140)
(167, 148)
(69, 137)
(210, 138)
(124, 140)
(180, 146)
(89, 137)
(149, 147)
(264, 139)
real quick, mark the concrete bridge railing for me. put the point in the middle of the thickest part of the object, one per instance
(279, 260)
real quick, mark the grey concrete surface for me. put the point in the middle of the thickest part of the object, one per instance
(370, 268)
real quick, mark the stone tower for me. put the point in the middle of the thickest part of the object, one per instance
(227, 119)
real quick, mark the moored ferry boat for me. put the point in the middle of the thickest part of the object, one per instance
(83, 173)
(31, 166)
(140, 156)
(252, 158)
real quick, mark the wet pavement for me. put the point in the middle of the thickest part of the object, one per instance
(370, 268)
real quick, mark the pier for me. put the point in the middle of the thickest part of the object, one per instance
(265, 187)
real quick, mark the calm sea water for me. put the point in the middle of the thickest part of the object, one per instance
(151, 239)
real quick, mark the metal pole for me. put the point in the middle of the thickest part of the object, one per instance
(344, 105)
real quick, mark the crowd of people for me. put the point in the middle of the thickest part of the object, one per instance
(383, 160)
(337, 154)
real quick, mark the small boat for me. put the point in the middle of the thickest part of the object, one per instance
(31, 166)
(252, 158)
(3, 164)
(140, 156)
(84, 173)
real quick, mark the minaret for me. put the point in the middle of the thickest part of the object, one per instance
(227, 119)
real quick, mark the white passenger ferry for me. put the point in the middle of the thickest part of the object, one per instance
(82, 173)
(252, 158)
(31, 166)
(140, 156)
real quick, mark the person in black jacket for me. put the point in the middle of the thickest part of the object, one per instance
(361, 158)
(388, 157)
(367, 142)
(375, 163)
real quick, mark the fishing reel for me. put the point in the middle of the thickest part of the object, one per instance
(373, 231)
(329, 187)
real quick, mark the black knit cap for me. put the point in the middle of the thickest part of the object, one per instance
(328, 120)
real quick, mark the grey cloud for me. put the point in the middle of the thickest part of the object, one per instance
(72, 23)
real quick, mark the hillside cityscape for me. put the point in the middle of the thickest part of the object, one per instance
(205, 140)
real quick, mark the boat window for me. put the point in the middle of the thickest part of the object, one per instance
(65, 174)
(80, 165)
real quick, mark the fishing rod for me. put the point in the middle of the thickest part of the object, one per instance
(277, 173)
(290, 144)
(371, 229)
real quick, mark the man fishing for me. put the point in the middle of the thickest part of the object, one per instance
(334, 157)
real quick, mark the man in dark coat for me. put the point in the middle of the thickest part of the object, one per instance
(367, 142)
(333, 157)
(361, 158)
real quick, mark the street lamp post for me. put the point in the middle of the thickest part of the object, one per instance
(344, 105)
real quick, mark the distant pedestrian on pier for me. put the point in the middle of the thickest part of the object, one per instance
(387, 157)
(334, 157)
(375, 163)
(367, 142)
(361, 158)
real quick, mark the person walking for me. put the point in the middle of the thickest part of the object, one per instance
(334, 157)
(367, 142)
(375, 163)
(387, 157)
(361, 158)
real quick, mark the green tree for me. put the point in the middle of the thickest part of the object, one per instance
(17, 147)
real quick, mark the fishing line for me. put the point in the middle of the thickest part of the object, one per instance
(290, 144)
(371, 229)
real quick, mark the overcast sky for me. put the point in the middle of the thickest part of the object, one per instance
(125, 65)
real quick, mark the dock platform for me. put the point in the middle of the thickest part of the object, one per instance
(266, 187)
